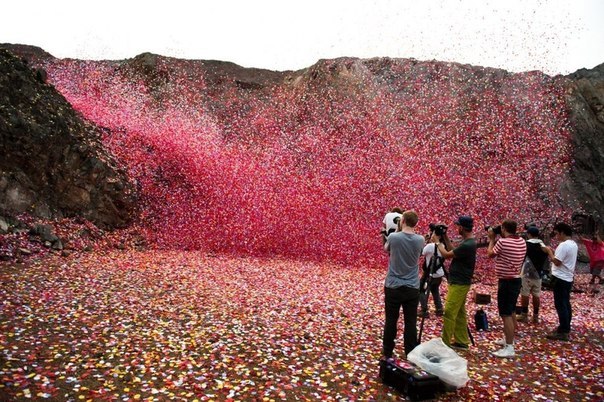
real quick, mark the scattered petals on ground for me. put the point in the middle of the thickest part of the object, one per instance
(128, 325)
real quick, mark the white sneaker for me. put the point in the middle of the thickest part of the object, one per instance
(506, 351)
(501, 342)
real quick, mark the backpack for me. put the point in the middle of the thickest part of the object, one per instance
(480, 320)
(436, 262)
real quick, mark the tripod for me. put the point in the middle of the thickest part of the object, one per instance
(425, 291)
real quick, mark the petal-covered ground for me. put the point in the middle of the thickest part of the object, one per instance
(128, 325)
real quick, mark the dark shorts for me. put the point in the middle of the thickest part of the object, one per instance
(507, 296)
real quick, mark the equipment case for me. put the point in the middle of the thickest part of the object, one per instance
(409, 379)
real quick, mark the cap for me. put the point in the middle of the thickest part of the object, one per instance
(465, 222)
(533, 230)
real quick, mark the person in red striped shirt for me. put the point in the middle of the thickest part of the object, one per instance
(509, 251)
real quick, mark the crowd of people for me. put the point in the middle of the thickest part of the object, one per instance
(519, 264)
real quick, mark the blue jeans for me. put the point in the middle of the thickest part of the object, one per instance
(395, 298)
(562, 303)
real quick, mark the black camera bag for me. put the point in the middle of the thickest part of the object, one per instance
(480, 320)
(409, 379)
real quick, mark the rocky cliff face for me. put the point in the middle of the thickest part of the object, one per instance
(585, 100)
(52, 162)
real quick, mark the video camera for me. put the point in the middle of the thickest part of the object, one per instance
(438, 229)
(496, 229)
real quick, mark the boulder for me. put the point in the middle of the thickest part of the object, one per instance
(585, 99)
(52, 162)
(3, 225)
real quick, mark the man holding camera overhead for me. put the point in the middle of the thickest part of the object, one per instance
(461, 270)
(510, 251)
(401, 287)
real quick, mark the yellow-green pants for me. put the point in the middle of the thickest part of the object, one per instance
(455, 320)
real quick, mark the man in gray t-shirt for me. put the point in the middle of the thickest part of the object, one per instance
(401, 287)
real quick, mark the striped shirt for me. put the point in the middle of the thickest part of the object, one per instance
(510, 252)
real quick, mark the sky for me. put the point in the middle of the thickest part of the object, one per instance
(556, 37)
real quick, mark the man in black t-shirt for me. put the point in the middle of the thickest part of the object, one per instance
(461, 270)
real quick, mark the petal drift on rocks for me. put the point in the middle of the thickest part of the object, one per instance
(305, 165)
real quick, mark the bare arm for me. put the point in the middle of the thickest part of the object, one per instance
(552, 256)
(491, 246)
(444, 252)
(447, 242)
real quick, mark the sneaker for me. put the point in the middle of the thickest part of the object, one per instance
(557, 336)
(535, 319)
(460, 346)
(506, 351)
(522, 318)
(440, 312)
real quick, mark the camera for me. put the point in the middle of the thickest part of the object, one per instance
(438, 229)
(496, 229)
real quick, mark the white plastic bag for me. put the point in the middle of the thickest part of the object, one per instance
(437, 358)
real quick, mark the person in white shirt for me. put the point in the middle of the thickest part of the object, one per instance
(390, 223)
(432, 274)
(563, 271)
